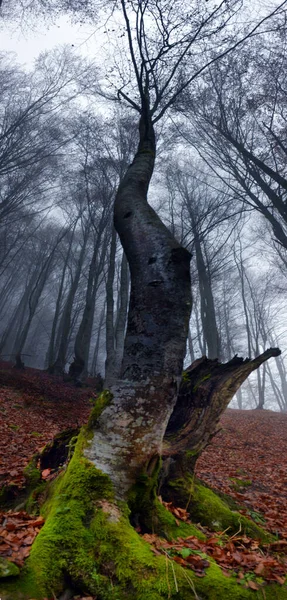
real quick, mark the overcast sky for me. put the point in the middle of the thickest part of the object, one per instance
(28, 44)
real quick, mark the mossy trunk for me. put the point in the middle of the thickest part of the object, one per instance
(88, 546)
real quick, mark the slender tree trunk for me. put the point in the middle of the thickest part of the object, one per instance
(34, 298)
(97, 345)
(51, 348)
(65, 323)
(15, 325)
(283, 378)
(207, 308)
(110, 329)
(239, 398)
(277, 392)
(190, 346)
(79, 366)
(121, 319)
(261, 379)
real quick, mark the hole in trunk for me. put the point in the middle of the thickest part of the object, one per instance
(128, 214)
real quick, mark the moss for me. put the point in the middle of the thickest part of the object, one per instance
(34, 501)
(8, 569)
(142, 497)
(185, 377)
(32, 474)
(20, 588)
(207, 508)
(101, 402)
(66, 533)
(238, 484)
(170, 528)
(216, 511)
(89, 541)
(205, 378)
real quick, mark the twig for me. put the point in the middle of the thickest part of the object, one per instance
(235, 534)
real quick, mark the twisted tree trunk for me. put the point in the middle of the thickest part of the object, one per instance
(130, 430)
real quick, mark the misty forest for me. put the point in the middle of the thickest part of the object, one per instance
(143, 280)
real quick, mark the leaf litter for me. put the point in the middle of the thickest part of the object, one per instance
(247, 460)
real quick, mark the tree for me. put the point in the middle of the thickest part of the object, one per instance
(116, 459)
(238, 125)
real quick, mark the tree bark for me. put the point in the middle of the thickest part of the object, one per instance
(51, 348)
(65, 323)
(204, 394)
(79, 366)
(207, 308)
(129, 432)
(110, 331)
(121, 319)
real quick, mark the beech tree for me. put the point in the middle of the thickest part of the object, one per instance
(88, 542)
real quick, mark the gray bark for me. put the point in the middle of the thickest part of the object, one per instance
(110, 331)
(202, 399)
(121, 319)
(207, 308)
(66, 319)
(79, 366)
(129, 432)
(51, 348)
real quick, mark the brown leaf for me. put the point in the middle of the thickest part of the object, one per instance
(46, 473)
(253, 585)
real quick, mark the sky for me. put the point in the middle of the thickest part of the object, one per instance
(28, 44)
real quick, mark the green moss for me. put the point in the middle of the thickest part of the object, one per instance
(185, 377)
(237, 483)
(20, 588)
(66, 533)
(167, 525)
(8, 569)
(207, 508)
(88, 542)
(101, 402)
(32, 474)
(142, 497)
(33, 503)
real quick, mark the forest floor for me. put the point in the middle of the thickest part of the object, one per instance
(247, 459)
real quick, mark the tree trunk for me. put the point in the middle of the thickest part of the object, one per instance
(205, 393)
(94, 369)
(51, 348)
(121, 319)
(130, 430)
(190, 346)
(116, 456)
(207, 308)
(65, 323)
(79, 366)
(33, 301)
(110, 330)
